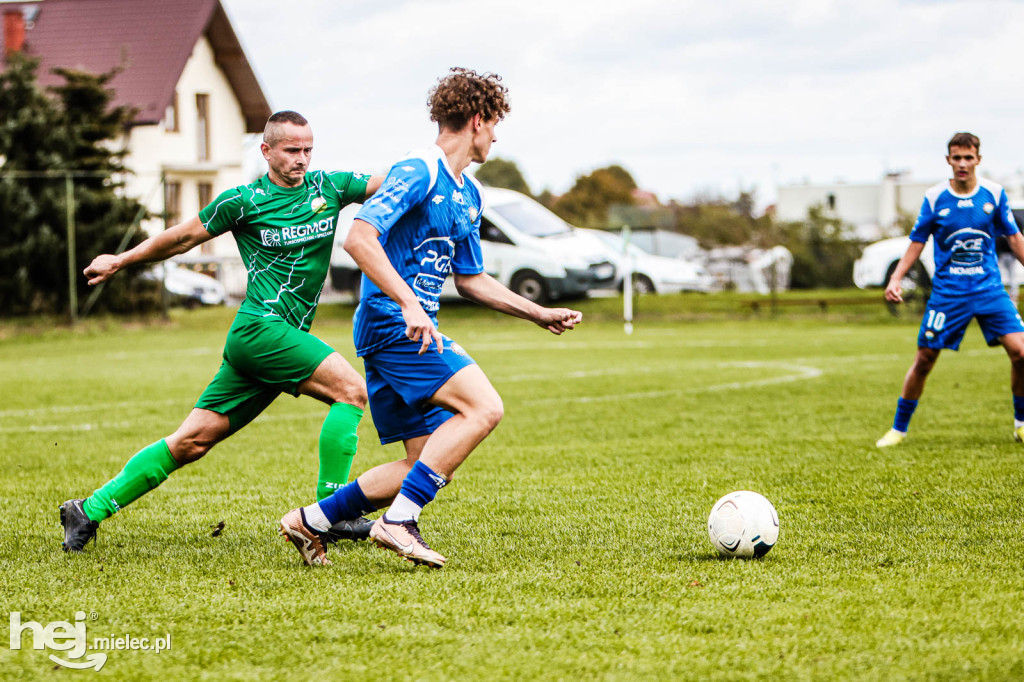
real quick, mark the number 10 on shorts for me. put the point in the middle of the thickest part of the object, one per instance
(936, 320)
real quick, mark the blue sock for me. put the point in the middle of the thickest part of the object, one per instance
(348, 502)
(904, 411)
(1018, 407)
(422, 483)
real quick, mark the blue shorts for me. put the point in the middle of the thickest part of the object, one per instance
(400, 382)
(946, 319)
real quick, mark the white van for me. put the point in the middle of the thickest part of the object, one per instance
(525, 246)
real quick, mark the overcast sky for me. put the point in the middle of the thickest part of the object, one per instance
(690, 96)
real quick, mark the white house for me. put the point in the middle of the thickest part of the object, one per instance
(871, 208)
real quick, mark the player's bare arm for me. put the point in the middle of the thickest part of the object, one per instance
(369, 255)
(171, 242)
(894, 290)
(487, 291)
(1016, 244)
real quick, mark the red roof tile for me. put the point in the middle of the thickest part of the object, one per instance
(152, 40)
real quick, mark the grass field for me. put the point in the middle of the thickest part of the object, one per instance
(575, 534)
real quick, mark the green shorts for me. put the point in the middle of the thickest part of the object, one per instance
(263, 357)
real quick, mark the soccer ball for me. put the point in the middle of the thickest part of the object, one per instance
(743, 524)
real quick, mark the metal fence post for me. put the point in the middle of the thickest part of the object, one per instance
(69, 190)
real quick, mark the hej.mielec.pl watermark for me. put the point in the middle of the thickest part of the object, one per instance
(71, 637)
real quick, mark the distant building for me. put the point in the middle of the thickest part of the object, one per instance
(186, 74)
(872, 209)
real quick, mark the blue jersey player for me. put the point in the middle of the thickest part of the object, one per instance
(424, 390)
(963, 216)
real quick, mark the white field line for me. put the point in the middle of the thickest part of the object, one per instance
(799, 370)
(796, 373)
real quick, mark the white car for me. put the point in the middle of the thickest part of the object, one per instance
(653, 274)
(878, 261)
(525, 246)
(193, 288)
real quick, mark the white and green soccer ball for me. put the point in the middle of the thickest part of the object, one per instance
(743, 524)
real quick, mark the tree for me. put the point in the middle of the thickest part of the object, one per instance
(587, 203)
(500, 172)
(823, 256)
(42, 135)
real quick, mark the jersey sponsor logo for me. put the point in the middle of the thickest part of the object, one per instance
(438, 198)
(392, 192)
(975, 270)
(472, 213)
(435, 258)
(318, 204)
(944, 212)
(966, 247)
(965, 203)
(298, 234)
(988, 208)
(457, 197)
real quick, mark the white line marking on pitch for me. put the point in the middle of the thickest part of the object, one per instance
(798, 373)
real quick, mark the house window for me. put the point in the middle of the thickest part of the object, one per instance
(205, 197)
(203, 126)
(171, 115)
(172, 203)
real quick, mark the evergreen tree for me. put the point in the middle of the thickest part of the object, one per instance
(71, 128)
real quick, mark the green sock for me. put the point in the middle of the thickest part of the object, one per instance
(338, 442)
(147, 469)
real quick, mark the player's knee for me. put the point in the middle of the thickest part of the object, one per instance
(186, 450)
(491, 413)
(354, 393)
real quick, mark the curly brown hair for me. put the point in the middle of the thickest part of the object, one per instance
(463, 93)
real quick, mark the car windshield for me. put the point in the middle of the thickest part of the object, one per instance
(532, 219)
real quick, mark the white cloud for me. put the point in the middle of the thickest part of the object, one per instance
(688, 96)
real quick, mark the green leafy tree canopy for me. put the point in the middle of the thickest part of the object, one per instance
(498, 172)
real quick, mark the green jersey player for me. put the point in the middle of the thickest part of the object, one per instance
(284, 225)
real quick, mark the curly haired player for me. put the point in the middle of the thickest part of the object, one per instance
(424, 389)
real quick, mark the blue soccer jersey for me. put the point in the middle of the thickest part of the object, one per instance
(429, 225)
(964, 230)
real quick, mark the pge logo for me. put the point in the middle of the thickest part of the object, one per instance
(270, 237)
(59, 636)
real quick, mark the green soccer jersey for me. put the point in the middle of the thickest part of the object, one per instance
(285, 236)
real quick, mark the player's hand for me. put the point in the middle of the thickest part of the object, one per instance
(894, 292)
(418, 327)
(558, 320)
(101, 268)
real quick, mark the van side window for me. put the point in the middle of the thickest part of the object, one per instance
(489, 232)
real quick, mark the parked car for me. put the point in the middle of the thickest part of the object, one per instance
(525, 246)
(186, 286)
(653, 274)
(878, 261)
